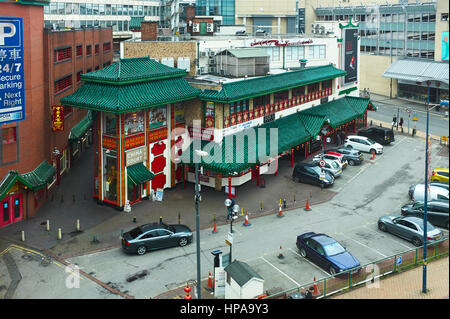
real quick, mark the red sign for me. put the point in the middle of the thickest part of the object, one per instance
(57, 118)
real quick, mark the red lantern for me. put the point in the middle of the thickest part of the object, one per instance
(187, 290)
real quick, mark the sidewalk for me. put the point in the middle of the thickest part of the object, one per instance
(407, 285)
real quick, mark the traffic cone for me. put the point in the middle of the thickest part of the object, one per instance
(316, 289)
(280, 212)
(210, 284)
(307, 208)
(215, 225)
(246, 222)
(373, 156)
(280, 255)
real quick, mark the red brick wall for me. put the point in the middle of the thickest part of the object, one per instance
(149, 31)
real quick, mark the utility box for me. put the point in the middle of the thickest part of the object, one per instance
(242, 281)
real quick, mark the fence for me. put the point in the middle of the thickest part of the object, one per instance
(367, 274)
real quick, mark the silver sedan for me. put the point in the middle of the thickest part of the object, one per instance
(409, 228)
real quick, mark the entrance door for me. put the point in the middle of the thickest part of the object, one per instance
(16, 208)
(11, 210)
(5, 213)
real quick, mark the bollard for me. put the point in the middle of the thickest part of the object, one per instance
(134, 219)
(261, 207)
(179, 218)
(23, 235)
(310, 194)
(121, 233)
(284, 203)
(160, 219)
(242, 211)
(59, 234)
(381, 125)
(295, 201)
(95, 240)
(47, 226)
(371, 123)
(78, 225)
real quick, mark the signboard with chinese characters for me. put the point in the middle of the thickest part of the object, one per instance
(57, 118)
(137, 155)
(12, 79)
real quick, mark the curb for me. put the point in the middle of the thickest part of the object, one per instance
(418, 133)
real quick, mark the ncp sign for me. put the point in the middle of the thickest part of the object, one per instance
(12, 88)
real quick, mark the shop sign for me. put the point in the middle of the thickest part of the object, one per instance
(201, 133)
(58, 118)
(269, 118)
(12, 79)
(135, 156)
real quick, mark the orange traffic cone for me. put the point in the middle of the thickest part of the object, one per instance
(373, 156)
(316, 289)
(280, 212)
(280, 255)
(215, 225)
(246, 222)
(210, 284)
(307, 208)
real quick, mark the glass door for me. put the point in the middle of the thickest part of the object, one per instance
(5, 213)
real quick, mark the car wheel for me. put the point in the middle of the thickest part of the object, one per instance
(351, 162)
(416, 242)
(372, 151)
(332, 271)
(141, 250)
(382, 227)
(303, 252)
(183, 242)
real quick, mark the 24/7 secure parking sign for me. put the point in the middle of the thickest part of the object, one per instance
(12, 86)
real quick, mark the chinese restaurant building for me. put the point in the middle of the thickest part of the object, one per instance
(148, 119)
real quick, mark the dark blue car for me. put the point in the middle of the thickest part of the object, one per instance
(326, 252)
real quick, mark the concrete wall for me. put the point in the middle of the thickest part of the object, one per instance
(162, 49)
(372, 69)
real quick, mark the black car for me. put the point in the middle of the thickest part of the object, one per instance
(437, 211)
(155, 236)
(311, 173)
(381, 135)
(352, 156)
(240, 32)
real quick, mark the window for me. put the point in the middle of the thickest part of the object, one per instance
(134, 123)
(62, 54)
(88, 50)
(79, 50)
(106, 46)
(8, 135)
(109, 124)
(79, 76)
(63, 83)
(444, 16)
(209, 109)
(97, 49)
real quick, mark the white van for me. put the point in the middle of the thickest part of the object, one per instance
(436, 192)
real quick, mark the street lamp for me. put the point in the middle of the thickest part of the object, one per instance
(197, 221)
(233, 209)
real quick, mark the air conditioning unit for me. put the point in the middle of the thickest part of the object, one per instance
(317, 26)
(196, 27)
(202, 53)
(314, 31)
(209, 27)
(211, 53)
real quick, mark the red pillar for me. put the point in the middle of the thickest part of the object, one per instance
(257, 175)
(183, 172)
(306, 149)
(229, 186)
(276, 172)
(354, 126)
(292, 157)
(346, 130)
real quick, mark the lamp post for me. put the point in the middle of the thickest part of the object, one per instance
(197, 221)
(233, 209)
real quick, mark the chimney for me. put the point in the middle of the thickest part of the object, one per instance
(303, 63)
(149, 31)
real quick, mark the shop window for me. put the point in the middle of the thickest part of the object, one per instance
(63, 83)
(110, 124)
(134, 123)
(63, 54)
(79, 50)
(88, 50)
(110, 175)
(9, 135)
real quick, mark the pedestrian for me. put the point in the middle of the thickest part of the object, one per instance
(308, 293)
(394, 121)
(401, 122)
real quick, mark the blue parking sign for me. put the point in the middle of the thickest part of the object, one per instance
(398, 260)
(12, 79)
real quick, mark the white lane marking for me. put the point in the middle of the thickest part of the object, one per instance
(315, 266)
(351, 179)
(280, 271)
(398, 143)
(393, 239)
(373, 249)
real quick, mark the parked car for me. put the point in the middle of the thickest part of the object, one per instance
(240, 32)
(432, 184)
(260, 32)
(435, 193)
(351, 156)
(155, 236)
(437, 211)
(326, 252)
(380, 135)
(333, 167)
(409, 228)
(440, 175)
(311, 173)
(363, 144)
(334, 156)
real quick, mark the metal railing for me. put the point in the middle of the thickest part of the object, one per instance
(369, 273)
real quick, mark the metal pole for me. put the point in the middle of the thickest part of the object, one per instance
(231, 231)
(425, 209)
(398, 116)
(197, 223)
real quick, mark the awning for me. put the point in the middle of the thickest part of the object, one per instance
(418, 71)
(81, 127)
(138, 174)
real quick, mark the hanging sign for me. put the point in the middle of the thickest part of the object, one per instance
(57, 118)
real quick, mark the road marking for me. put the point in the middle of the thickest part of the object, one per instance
(373, 249)
(280, 271)
(393, 239)
(351, 179)
(315, 266)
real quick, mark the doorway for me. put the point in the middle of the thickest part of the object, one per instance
(11, 210)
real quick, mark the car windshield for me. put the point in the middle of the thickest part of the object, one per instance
(418, 205)
(316, 169)
(333, 249)
(134, 233)
(371, 141)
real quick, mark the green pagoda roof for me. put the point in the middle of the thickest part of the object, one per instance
(244, 89)
(133, 70)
